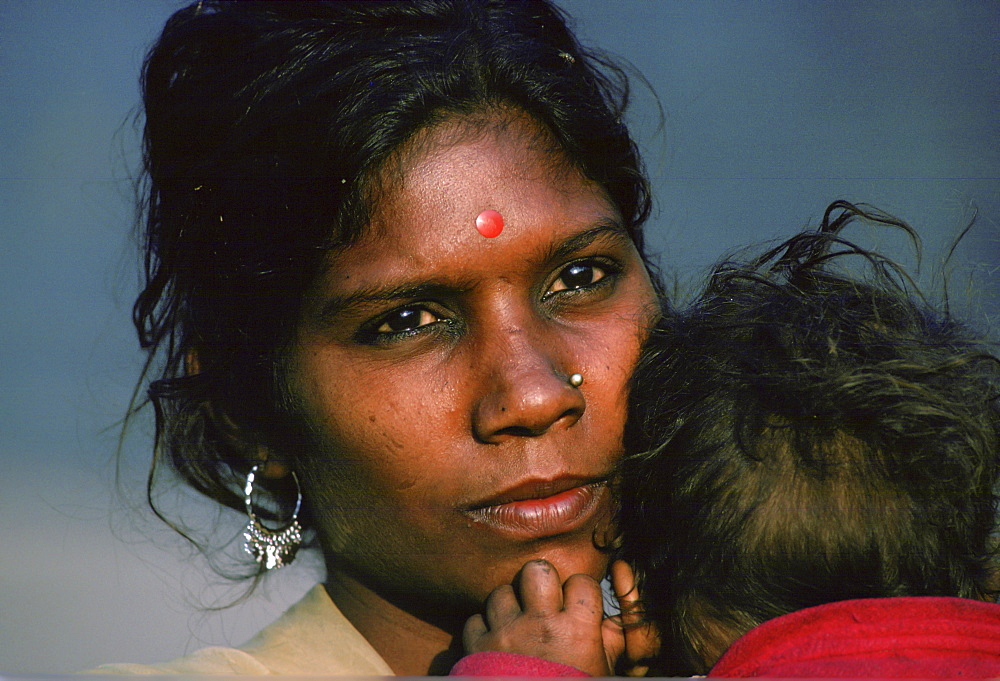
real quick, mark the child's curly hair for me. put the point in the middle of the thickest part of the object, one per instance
(810, 436)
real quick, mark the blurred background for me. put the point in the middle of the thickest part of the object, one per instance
(771, 110)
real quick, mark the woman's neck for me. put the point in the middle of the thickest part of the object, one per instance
(410, 645)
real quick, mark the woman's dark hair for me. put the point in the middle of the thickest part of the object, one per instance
(266, 126)
(814, 431)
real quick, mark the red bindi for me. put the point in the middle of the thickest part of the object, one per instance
(489, 223)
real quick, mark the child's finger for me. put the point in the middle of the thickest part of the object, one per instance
(475, 629)
(501, 607)
(623, 583)
(540, 586)
(613, 638)
(642, 641)
(582, 596)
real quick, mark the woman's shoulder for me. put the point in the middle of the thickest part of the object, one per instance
(211, 660)
(312, 637)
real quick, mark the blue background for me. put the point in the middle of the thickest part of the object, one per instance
(772, 110)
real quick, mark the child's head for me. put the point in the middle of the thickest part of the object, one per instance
(812, 437)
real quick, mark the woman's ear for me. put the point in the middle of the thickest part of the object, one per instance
(271, 465)
(192, 365)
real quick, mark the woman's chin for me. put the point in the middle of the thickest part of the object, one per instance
(568, 558)
(593, 563)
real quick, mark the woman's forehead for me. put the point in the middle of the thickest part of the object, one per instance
(435, 190)
(449, 131)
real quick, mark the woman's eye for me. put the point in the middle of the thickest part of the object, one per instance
(578, 275)
(406, 319)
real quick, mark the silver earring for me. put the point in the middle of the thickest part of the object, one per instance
(271, 548)
(576, 380)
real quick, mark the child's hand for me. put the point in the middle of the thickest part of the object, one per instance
(558, 622)
(639, 642)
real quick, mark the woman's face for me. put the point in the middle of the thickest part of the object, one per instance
(432, 366)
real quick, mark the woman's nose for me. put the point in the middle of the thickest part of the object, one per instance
(526, 390)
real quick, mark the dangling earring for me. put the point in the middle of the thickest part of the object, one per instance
(271, 548)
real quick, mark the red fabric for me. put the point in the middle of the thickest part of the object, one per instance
(510, 664)
(926, 637)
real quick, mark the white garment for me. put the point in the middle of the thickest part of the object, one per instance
(311, 638)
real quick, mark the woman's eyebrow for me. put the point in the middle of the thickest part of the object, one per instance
(608, 230)
(333, 305)
(376, 295)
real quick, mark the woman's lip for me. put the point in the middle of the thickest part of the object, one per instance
(535, 489)
(534, 517)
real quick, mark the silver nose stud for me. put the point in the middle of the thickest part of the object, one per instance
(576, 380)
